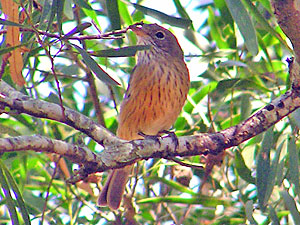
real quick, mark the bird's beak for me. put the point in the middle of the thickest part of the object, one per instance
(138, 29)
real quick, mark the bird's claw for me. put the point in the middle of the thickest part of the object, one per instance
(151, 137)
(172, 135)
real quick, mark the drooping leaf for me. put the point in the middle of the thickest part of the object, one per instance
(9, 200)
(174, 21)
(291, 205)
(10, 23)
(19, 199)
(263, 168)
(120, 52)
(244, 23)
(294, 164)
(92, 64)
(242, 169)
(249, 212)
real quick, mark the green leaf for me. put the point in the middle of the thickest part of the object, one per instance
(8, 130)
(181, 11)
(294, 163)
(120, 52)
(263, 168)
(19, 198)
(9, 200)
(88, 10)
(126, 17)
(84, 5)
(173, 21)
(92, 64)
(60, 14)
(242, 169)
(246, 107)
(78, 29)
(273, 216)
(271, 179)
(291, 205)
(215, 30)
(8, 49)
(9, 23)
(227, 84)
(113, 14)
(264, 23)
(53, 12)
(249, 212)
(244, 23)
(68, 10)
(199, 95)
(45, 12)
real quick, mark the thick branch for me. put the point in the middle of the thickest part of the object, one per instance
(38, 143)
(15, 100)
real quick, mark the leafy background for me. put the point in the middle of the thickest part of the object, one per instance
(236, 54)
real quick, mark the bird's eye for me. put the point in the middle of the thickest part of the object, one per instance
(160, 35)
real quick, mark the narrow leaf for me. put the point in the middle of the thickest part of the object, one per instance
(8, 49)
(78, 29)
(9, 200)
(293, 163)
(20, 200)
(273, 216)
(246, 107)
(45, 12)
(291, 205)
(68, 11)
(10, 23)
(263, 168)
(271, 179)
(215, 30)
(60, 14)
(244, 23)
(113, 14)
(262, 20)
(92, 64)
(181, 10)
(242, 169)
(52, 13)
(120, 52)
(249, 212)
(174, 21)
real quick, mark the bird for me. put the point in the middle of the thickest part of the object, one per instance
(157, 90)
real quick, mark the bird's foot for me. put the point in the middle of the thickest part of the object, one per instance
(151, 137)
(172, 135)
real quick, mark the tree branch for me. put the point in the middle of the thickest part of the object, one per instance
(38, 143)
(21, 103)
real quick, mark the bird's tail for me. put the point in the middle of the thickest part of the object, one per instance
(112, 193)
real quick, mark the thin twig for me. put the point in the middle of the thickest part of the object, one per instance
(185, 215)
